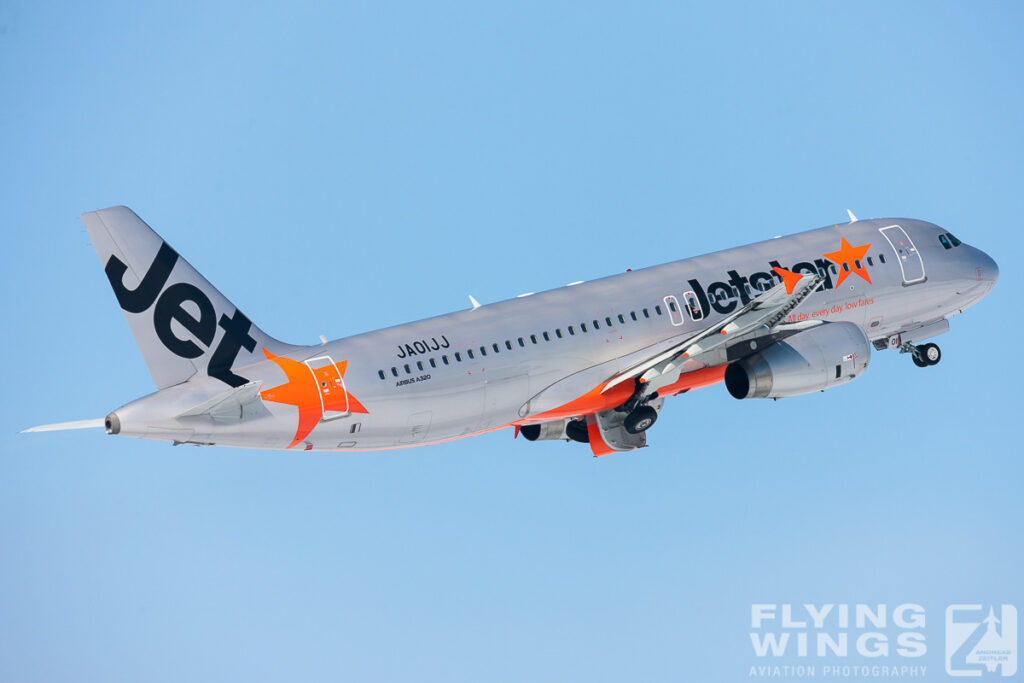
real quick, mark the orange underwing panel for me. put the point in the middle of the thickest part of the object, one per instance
(597, 444)
(694, 380)
(591, 402)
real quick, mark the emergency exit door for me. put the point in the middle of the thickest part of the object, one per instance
(330, 382)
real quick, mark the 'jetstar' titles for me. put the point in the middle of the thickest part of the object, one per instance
(721, 296)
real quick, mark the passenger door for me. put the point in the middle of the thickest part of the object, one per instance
(911, 265)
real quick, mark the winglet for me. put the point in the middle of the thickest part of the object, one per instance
(789, 278)
(476, 304)
(853, 219)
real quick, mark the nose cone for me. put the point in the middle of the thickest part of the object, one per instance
(985, 268)
(982, 268)
(980, 278)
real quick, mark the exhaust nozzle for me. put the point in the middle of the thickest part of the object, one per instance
(112, 424)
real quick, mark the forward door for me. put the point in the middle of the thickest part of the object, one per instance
(911, 265)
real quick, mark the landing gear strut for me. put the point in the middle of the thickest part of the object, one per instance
(641, 416)
(923, 355)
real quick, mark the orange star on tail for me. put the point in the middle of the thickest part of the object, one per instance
(312, 391)
(849, 257)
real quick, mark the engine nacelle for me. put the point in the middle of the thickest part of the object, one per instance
(545, 430)
(816, 359)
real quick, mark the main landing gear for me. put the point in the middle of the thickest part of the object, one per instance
(640, 420)
(923, 355)
(641, 416)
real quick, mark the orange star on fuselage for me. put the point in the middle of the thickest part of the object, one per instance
(849, 257)
(303, 390)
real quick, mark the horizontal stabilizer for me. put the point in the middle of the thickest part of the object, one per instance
(61, 426)
(229, 405)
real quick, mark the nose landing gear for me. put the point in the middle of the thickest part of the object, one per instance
(923, 355)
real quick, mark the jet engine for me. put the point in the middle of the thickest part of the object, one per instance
(815, 359)
(545, 430)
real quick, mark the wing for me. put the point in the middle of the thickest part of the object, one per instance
(762, 317)
(605, 408)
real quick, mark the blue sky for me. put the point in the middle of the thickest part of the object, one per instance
(336, 168)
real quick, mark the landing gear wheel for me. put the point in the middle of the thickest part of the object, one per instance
(577, 431)
(640, 420)
(919, 362)
(931, 354)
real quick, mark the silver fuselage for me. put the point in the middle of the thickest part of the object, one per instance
(415, 391)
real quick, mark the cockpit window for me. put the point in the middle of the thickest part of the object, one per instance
(945, 242)
(954, 240)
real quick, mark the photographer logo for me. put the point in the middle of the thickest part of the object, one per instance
(981, 640)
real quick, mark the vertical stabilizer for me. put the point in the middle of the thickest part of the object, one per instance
(182, 324)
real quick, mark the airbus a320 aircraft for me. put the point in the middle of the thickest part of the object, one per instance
(591, 362)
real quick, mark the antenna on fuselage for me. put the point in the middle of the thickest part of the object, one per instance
(476, 304)
(853, 219)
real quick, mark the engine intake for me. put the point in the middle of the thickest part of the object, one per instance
(816, 359)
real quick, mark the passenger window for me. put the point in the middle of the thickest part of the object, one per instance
(870, 262)
(833, 268)
(632, 314)
(547, 337)
(381, 373)
(419, 365)
(647, 313)
(469, 352)
(846, 266)
(657, 309)
(558, 332)
(408, 370)
(394, 371)
(583, 327)
(497, 349)
(508, 345)
(856, 262)
(945, 242)
(954, 240)
(597, 325)
(572, 331)
(483, 350)
(444, 359)
(881, 258)
(608, 321)
(621, 319)
(521, 342)
(433, 363)
(458, 356)
(533, 338)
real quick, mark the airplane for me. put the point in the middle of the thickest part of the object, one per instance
(591, 362)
